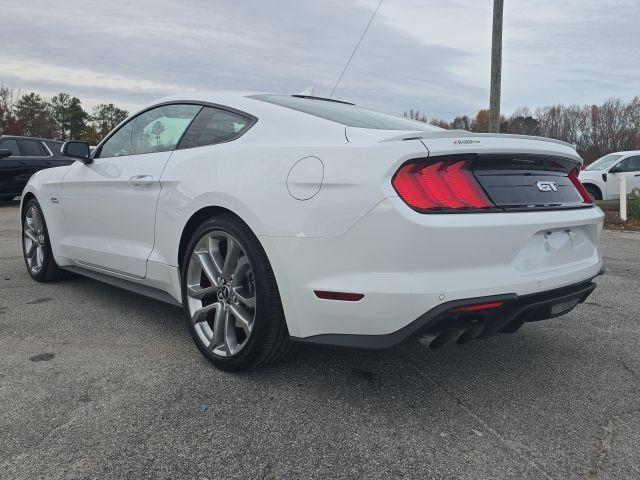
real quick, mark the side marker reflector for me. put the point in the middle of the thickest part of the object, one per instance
(343, 296)
(475, 308)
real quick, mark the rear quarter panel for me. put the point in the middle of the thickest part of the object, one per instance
(249, 177)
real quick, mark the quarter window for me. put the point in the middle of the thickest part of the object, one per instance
(55, 147)
(11, 145)
(213, 125)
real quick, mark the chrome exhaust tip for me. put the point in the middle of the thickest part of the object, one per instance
(440, 339)
(471, 333)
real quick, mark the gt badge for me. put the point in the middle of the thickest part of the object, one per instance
(547, 186)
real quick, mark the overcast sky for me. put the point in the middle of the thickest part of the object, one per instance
(423, 54)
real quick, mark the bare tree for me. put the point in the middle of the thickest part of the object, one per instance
(8, 122)
(415, 115)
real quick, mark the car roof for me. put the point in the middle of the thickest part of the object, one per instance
(625, 153)
(271, 117)
(22, 137)
(229, 98)
(246, 101)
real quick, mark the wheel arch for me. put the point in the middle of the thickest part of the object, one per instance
(25, 199)
(598, 190)
(272, 256)
(196, 220)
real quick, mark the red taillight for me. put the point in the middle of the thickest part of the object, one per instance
(573, 176)
(475, 308)
(440, 186)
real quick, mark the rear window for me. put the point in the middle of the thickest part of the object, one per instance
(345, 113)
(32, 148)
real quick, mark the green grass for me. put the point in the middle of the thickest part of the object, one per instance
(633, 204)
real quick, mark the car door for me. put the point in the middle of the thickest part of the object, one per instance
(630, 168)
(12, 168)
(35, 157)
(110, 204)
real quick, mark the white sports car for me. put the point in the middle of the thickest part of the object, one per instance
(276, 219)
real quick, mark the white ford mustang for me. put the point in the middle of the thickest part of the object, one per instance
(276, 219)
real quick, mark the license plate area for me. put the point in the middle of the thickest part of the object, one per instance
(555, 249)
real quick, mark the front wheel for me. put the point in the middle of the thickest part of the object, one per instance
(230, 297)
(36, 246)
(593, 192)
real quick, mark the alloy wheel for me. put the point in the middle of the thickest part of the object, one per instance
(221, 293)
(34, 239)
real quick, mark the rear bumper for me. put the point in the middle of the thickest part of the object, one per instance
(514, 312)
(406, 264)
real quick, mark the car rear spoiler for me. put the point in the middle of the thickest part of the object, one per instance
(463, 134)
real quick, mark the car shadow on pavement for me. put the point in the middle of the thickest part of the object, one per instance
(527, 352)
(10, 203)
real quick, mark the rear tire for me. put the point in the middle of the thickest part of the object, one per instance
(230, 296)
(36, 246)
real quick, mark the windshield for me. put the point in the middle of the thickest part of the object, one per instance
(604, 162)
(345, 113)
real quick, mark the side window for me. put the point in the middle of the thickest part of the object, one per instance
(212, 126)
(12, 145)
(629, 164)
(634, 164)
(31, 148)
(119, 143)
(160, 129)
(156, 130)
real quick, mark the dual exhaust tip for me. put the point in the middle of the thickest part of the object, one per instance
(457, 335)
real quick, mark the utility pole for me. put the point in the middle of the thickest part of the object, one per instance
(496, 67)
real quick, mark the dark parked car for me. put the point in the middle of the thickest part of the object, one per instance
(21, 157)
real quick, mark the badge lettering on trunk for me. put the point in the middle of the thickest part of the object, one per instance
(547, 186)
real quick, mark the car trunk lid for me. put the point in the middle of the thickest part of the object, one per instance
(516, 172)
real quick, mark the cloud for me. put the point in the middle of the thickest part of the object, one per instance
(424, 54)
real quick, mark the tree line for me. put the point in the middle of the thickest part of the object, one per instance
(60, 117)
(595, 130)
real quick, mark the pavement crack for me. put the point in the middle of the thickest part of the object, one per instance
(605, 443)
(506, 443)
(633, 373)
(596, 304)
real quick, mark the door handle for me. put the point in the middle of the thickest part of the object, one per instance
(141, 180)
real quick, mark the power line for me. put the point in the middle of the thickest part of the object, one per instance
(356, 49)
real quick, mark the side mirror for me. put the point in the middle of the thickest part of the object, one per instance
(78, 150)
(616, 169)
(5, 152)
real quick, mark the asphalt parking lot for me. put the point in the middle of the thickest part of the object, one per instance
(97, 382)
